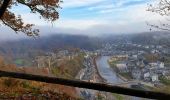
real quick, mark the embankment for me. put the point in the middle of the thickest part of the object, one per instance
(97, 71)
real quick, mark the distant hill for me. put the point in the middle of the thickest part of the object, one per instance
(29, 48)
(162, 38)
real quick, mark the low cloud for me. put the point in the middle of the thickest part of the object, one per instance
(111, 17)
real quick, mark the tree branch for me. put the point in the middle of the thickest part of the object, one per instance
(9, 26)
(4, 7)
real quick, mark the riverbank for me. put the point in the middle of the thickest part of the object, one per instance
(104, 95)
(90, 74)
(124, 76)
(105, 71)
(109, 75)
(97, 71)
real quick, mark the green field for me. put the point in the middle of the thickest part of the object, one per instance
(22, 62)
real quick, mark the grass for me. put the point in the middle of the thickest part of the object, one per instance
(22, 62)
(118, 96)
(166, 88)
(164, 81)
(126, 75)
(69, 68)
(113, 65)
(19, 61)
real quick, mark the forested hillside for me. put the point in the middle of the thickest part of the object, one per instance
(29, 48)
(157, 37)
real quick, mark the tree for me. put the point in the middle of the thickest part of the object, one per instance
(47, 9)
(162, 8)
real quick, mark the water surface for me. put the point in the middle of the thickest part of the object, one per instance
(106, 72)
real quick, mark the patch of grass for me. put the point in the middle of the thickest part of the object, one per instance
(164, 81)
(118, 96)
(69, 68)
(23, 62)
(25, 84)
(163, 89)
(100, 97)
(113, 63)
(127, 75)
(11, 82)
(19, 61)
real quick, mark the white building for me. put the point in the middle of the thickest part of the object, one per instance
(147, 47)
(154, 51)
(153, 64)
(160, 65)
(157, 64)
(122, 67)
(146, 75)
(154, 78)
(87, 56)
(135, 56)
(136, 74)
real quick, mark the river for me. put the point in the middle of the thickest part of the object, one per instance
(109, 74)
(106, 72)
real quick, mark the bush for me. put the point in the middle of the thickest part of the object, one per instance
(25, 84)
(164, 80)
(11, 82)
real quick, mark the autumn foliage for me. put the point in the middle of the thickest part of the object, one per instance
(46, 9)
(11, 88)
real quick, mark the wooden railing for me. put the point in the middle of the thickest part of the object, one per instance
(88, 85)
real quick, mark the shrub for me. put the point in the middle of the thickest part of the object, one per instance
(11, 82)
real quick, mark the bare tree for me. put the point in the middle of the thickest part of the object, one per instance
(162, 8)
(46, 9)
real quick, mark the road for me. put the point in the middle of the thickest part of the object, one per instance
(112, 78)
(88, 74)
(91, 74)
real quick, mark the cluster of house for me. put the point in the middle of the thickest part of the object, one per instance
(130, 58)
(117, 48)
(140, 69)
(147, 72)
(50, 58)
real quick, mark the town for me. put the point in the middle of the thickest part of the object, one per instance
(147, 63)
(138, 65)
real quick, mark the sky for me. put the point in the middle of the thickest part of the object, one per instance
(93, 17)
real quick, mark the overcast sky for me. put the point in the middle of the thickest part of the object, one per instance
(92, 17)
